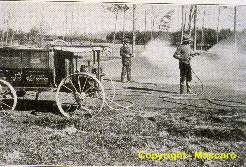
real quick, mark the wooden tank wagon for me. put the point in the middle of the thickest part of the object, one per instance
(61, 70)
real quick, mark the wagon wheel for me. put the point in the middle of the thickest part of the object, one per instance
(8, 97)
(82, 92)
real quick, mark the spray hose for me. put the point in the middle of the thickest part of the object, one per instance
(198, 79)
(210, 100)
(110, 101)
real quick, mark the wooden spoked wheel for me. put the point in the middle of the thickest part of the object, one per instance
(8, 97)
(82, 92)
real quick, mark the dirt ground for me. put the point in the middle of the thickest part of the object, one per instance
(158, 120)
(143, 117)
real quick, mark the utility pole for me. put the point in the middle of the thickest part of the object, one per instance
(203, 20)
(133, 29)
(12, 37)
(218, 23)
(125, 8)
(64, 30)
(190, 19)
(3, 33)
(185, 16)
(12, 19)
(7, 35)
(66, 27)
(2, 37)
(116, 18)
(152, 22)
(195, 16)
(182, 25)
(124, 17)
(42, 28)
(235, 26)
(71, 27)
(145, 26)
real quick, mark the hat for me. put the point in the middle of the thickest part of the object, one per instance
(186, 37)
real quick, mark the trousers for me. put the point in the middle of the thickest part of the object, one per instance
(126, 69)
(185, 76)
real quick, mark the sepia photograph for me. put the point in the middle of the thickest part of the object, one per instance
(122, 83)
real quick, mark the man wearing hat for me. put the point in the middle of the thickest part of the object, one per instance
(184, 53)
(126, 54)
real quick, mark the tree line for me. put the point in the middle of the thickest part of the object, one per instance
(35, 37)
(208, 39)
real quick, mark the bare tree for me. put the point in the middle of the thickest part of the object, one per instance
(125, 8)
(192, 15)
(116, 9)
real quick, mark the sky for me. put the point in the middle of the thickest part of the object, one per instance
(75, 17)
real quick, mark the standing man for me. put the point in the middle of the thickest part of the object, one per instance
(184, 53)
(126, 55)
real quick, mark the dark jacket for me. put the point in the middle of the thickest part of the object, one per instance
(125, 52)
